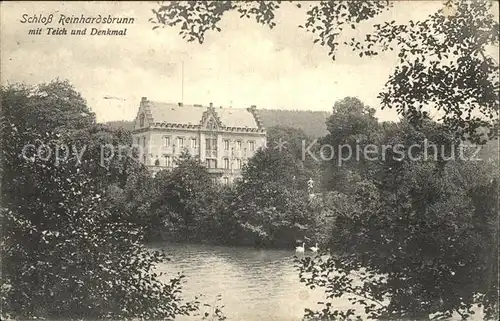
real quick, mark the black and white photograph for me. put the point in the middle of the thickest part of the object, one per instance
(249, 160)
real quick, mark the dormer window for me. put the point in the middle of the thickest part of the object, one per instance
(141, 120)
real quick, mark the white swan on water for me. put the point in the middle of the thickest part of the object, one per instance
(315, 249)
(300, 249)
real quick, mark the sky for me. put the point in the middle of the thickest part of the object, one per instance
(245, 64)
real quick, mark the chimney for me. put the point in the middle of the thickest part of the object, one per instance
(253, 107)
(211, 104)
(144, 99)
(180, 104)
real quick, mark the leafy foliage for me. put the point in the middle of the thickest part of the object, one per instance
(271, 199)
(444, 63)
(121, 124)
(65, 252)
(195, 18)
(352, 126)
(294, 142)
(185, 205)
(417, 239)
(48, 107)
(412, 237)
(186, 202)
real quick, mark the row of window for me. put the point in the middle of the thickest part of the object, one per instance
(210, 143)
(238, 144)
(210, 163)
(226, 163)
(181, 141)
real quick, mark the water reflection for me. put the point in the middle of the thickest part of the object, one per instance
(254, 284)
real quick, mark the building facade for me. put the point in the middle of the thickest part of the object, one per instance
(222, 138)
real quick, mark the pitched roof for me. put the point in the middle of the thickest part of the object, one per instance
(161, 112)
(175, 114)
(236, 117)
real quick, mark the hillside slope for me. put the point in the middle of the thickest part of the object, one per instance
(313, 123)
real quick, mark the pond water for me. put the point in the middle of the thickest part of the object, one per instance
(255, 284)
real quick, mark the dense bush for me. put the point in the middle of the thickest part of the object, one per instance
(186, 202)
(418, 238)
(267, 206)
(66, 253)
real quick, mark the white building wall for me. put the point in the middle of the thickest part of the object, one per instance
(156, 149)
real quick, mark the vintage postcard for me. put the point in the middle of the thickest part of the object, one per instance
(249, 160)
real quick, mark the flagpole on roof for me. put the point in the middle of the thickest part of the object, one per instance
(182, 79)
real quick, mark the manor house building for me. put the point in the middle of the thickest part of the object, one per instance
(222, 138)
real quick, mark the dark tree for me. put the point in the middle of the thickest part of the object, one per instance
(65, 255)
(351, 127)
(270, 201)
